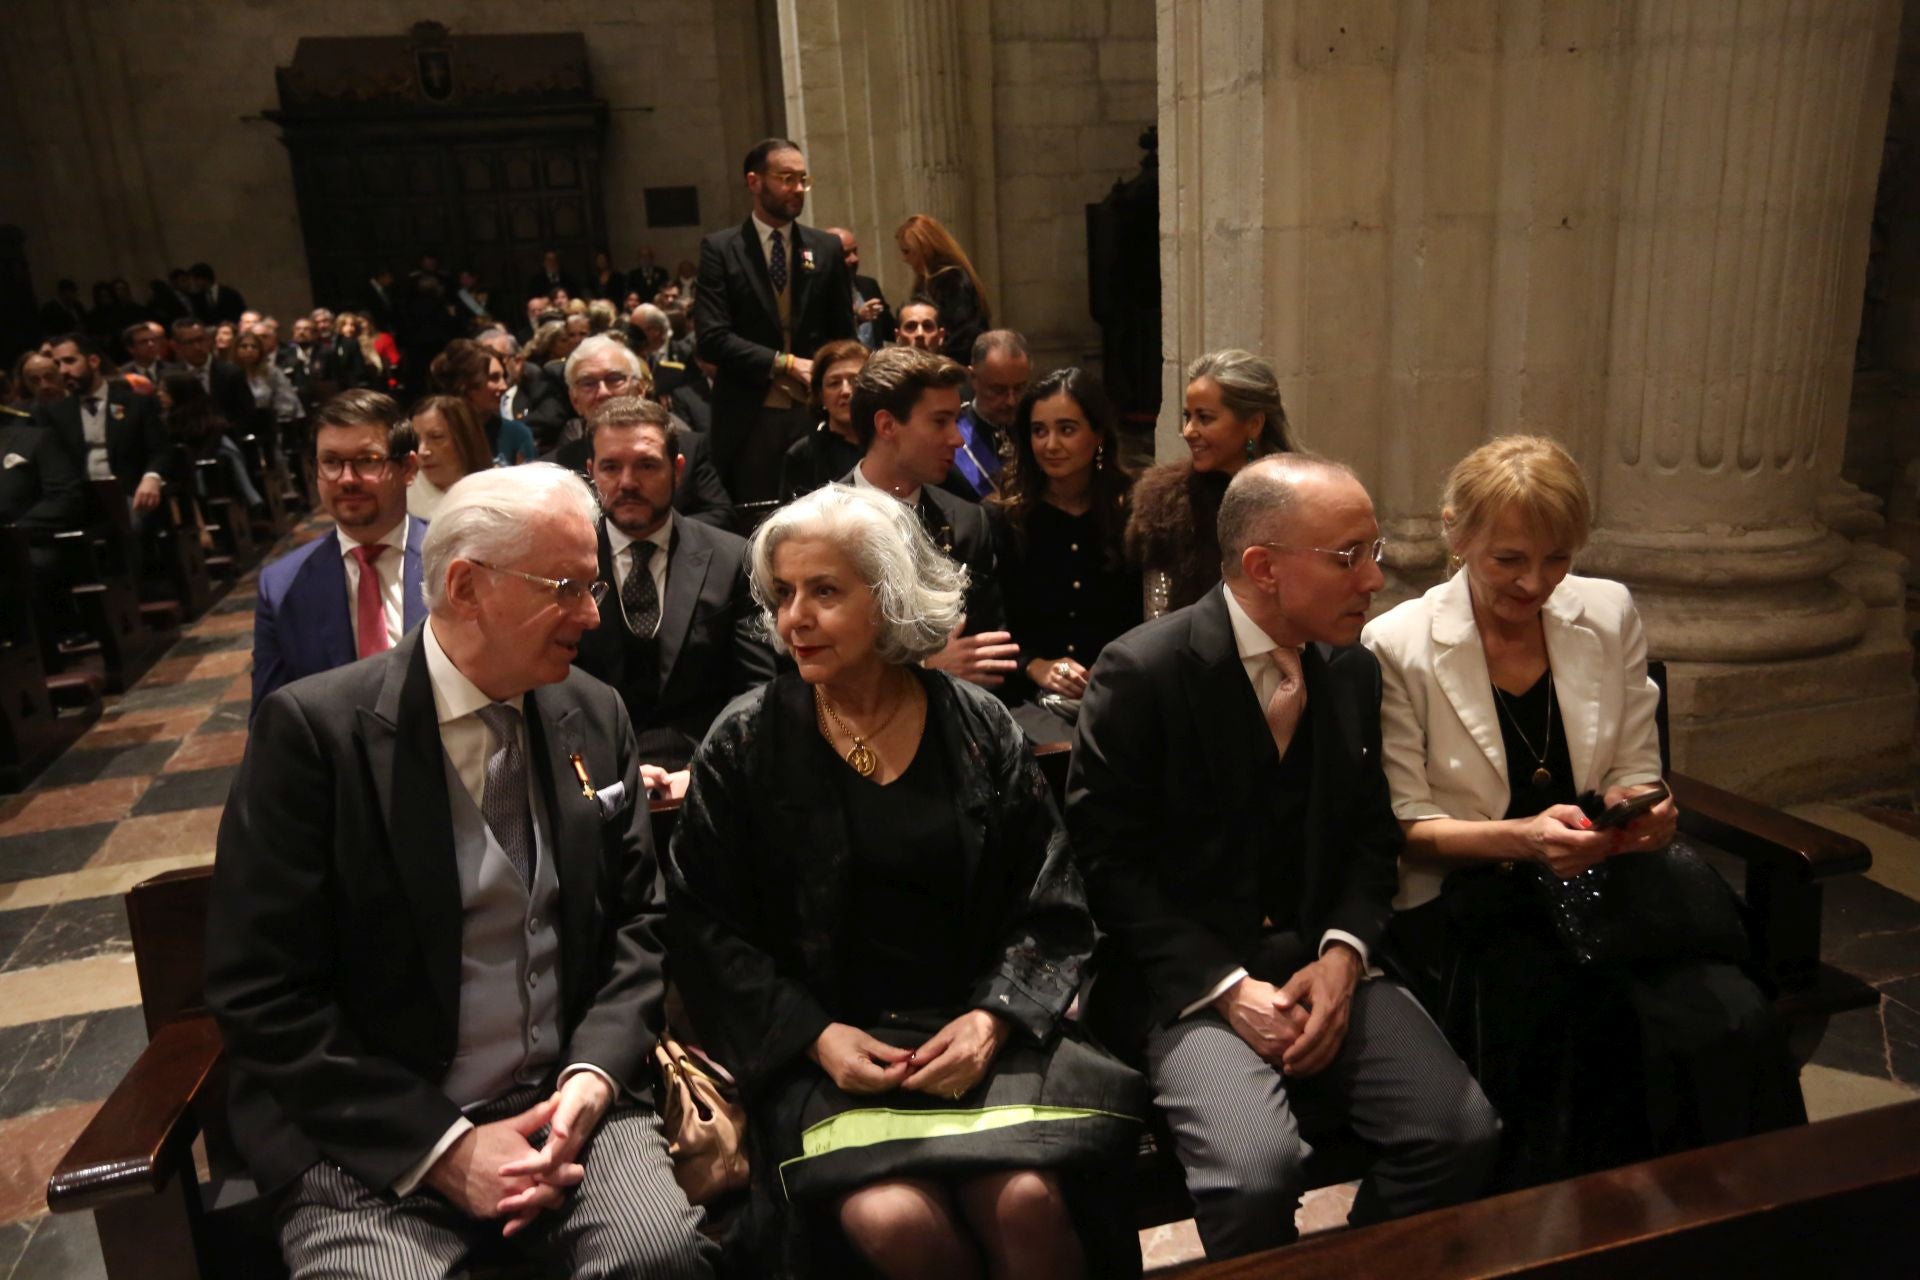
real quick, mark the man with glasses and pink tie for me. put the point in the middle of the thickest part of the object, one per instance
(354, 594)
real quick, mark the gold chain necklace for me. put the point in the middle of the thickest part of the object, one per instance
(861, 758)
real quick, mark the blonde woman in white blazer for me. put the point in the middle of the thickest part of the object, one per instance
(1513, 691)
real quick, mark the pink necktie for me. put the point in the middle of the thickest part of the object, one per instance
(371, 637)
(1289, 697)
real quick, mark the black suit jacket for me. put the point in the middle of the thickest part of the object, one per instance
(710, 646)
(227, 384)
(136, 438)
(1171, 807)
(539, 286)
(334, 932)
(229, 305)
(43, 490)
(960, 529)
(700, 496)
(885, 325)
(739, 322)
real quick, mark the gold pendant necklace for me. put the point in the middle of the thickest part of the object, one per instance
(861, 758)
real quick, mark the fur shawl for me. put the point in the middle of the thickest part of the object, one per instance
(1172, 529)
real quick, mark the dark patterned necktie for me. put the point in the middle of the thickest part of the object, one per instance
(777, 263)
(504, 802)
(638, 596)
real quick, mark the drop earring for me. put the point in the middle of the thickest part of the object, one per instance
(1249, 448)
(1099, 456)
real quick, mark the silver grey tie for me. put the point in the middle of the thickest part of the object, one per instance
(504, 804)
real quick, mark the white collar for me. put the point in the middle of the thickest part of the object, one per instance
(860, 481)
(394, 537)
(1249, 637)
(454, 695)
(766, 231)
(662, 537)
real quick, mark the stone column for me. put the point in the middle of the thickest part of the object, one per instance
(1638, 227)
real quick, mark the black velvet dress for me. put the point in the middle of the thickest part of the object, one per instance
(1589, 1066)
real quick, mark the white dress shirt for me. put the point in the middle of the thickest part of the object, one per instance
(390, 566)
(623, 562)
(468, 742)
(1256, 648)
(860, 481)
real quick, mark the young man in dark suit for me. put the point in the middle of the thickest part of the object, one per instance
(771, 293)
(679, 635)
(1227, 803)
(108, 430)
(224, 381)
(906, 403)
(433, 944)
(143, 340)
(355, 592)
(214, 302)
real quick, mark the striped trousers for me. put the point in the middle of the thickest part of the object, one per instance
(627, 1218)
(1243, 1130)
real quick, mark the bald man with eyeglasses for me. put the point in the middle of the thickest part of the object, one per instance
(355, 593)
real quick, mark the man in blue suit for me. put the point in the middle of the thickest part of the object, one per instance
(353, 594)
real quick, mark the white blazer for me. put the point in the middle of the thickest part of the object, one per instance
(1440, 733)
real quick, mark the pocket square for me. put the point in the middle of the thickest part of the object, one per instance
(15, 460)
(611, 799)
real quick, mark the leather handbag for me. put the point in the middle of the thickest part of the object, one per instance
(706, 1126)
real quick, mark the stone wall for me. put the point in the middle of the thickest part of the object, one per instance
(136, 140)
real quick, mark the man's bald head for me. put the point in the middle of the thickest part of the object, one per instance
(1266, 494)
(849, 246)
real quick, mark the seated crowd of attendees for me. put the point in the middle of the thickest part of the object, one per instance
(749, 539)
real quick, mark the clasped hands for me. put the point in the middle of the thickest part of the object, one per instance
(1298, 1027)
(946, 1066)
(1565, 841)
(495, 1171)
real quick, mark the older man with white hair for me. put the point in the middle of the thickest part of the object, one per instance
(603, 367)
(434, 947)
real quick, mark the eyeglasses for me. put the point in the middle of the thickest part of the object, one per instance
(568, 591)
(790, 178)
(1349, 558)
(368, 466)
(614, 382)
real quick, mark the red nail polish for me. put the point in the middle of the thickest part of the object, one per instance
(1586, 824)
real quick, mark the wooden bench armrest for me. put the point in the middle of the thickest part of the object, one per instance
(142, 1131)
(1759, 834)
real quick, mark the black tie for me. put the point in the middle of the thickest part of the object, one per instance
(638, 596)
(777, 264)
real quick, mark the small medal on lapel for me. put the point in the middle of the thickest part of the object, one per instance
(119, 412)
(580, 772)
(806, 260)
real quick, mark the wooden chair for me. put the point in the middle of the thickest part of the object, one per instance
(133, 1166)
(32, 731)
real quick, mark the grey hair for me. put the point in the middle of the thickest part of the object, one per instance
(1003, 341)
(648, 316)
(594, 346)
(1260, 498)
(508, 345)
(485, 517)
(919, 594)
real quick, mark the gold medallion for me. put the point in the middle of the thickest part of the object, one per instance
(862, 760)
(1541, 777)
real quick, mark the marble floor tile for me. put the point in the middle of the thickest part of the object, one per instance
(132, 760)
(188, 693)
(63, 1061)
(95, 882)
(227, 717)
(13, 1242)
(62, 1247)
(1831, 1093)
(112, 733)
(72, 806)
(237, 601)
(214, 642)
(59, 990)
(182, 834)
(71, 930)
(50, 853)
(223, 624)
(205, 667)
(207, 751)
(16, 926)
(177, 721)
(241, 690)
(30, 1146)
(189, 789)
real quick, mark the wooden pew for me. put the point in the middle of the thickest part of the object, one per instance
(32, 731)
(228, 519)
(1830, 1199)
(102, 564)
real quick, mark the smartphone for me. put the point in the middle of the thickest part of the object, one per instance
(1627, 810)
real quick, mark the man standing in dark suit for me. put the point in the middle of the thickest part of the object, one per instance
(1227, 803)
(680, 637)
(647, 278)
(214, 302)
(354, 593)
(771, 293)
(433, 942)
(223, 380)
(550, 276)
(380, 300)
(905, 406)
(109, 431)
(63, 313)
(873, 322)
